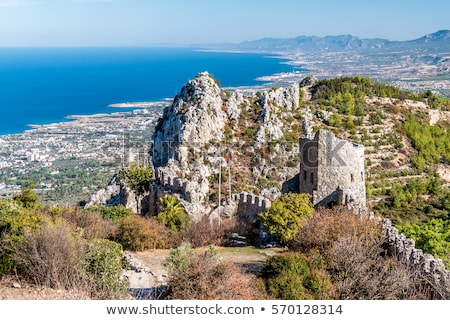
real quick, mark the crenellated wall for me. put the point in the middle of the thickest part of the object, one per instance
(431, 268)
(249, 206)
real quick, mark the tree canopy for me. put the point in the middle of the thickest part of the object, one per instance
(138, 178)
(286, 215)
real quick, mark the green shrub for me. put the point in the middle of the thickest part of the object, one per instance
(292, 277)
(14, 227)
(103, 265)
(432, 237)
(286, 215)
(112, 213)
(430, 141)
(138, 178)
(288, 286)
(8, 208)
(27, 196)
(172, 213)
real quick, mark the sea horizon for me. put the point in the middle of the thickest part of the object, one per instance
(46, 85)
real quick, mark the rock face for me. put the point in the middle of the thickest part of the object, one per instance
(195, 118)
(106, 196)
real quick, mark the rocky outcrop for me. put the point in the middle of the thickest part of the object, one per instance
(192, 137)
(272, 124)
(195, 118)
(106, 196)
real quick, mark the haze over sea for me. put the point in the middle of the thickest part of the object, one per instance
(45, 85)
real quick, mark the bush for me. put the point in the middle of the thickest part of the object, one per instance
(203, 276)
(8, 208)
(13, 230)
(172, 213)
(292, 277)
(103, 265)
(138, 178)
(51, 255)
(137, 233)
(112, 213)
(432, 237)
(206, 232)
(27, 197)
(286, 215)
(89, 224)
(360, 270)
(329, 225)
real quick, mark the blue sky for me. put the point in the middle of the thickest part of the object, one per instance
(150, 22)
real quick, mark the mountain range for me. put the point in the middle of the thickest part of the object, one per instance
(434, 42)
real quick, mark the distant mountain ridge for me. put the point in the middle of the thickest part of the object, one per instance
(437, 41)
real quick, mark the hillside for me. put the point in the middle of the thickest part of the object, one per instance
(260, 131)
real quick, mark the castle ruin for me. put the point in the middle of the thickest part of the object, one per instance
(332, 171)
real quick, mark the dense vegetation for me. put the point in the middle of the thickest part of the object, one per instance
(71, 248)
(349, 92)
(69, 181)
(286, 215)
(432, 142)
(332, 253)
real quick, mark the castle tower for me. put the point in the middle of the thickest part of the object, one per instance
(332, 171)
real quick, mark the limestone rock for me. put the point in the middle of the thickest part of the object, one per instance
(195, 118)
(105, 196)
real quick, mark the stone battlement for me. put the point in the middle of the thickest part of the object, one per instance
(249, 206)
(251, 200)
(433, 269)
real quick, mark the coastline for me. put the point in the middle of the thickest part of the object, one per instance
(141, 104)
(74, 120)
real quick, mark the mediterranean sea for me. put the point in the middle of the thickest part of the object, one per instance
(45, 85)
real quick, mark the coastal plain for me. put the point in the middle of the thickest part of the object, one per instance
(75, 158)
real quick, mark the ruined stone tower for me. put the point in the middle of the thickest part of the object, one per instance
(332, 171)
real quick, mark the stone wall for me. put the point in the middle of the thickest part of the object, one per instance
(137, 203)
(431, 268)
(249, 206)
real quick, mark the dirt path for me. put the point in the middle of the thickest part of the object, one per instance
(250, 258)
